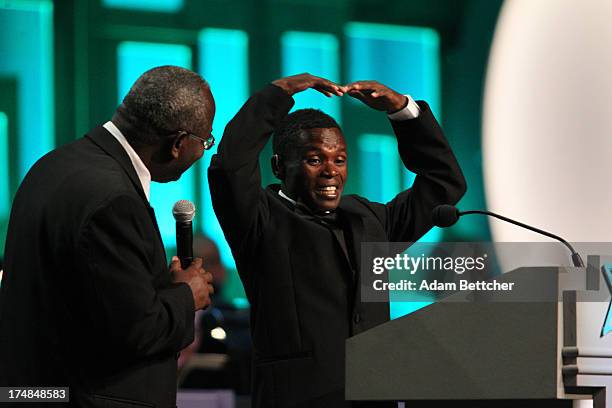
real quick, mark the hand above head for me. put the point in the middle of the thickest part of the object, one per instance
(199, 281)
(298, 83)
(376, 96)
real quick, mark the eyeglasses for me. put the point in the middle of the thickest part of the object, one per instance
(207, 143)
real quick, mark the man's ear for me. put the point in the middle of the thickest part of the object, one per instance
(177, 144)
(278, 167)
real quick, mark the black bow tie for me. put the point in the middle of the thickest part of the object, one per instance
(329, 218)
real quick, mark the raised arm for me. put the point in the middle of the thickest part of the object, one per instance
(234, 174)
(425, 151)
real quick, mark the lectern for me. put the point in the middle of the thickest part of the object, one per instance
(510, 351)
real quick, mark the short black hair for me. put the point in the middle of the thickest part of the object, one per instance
(163, 100)
(287, 134)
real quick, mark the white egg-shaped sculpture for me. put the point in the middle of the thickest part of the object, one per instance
(547, 119)
(547, 140)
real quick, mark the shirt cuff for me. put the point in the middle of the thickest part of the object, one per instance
(411, 111)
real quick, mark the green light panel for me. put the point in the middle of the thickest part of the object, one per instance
(133, 59)
(404, 58)
(380, 174)
(318, 54)
(145, 5)
(26, 52)
(5, 194)
(381, 177)
(224, 62)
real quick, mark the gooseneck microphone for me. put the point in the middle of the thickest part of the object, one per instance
(446, 215)
(183, 212)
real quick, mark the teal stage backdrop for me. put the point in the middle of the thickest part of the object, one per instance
(66, 64)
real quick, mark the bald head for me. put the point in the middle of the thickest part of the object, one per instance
(165, 100)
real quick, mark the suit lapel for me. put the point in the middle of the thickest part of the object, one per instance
(154, 219)
(354, 228)
(107, 142)
(113, 148)
(355, 235)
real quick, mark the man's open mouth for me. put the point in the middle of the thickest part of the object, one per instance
(327, 191)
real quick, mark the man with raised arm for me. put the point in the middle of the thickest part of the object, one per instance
(297, 244)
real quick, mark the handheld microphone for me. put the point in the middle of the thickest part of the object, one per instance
(446, 215)
(183, 212)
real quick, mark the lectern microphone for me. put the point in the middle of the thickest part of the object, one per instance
(446, 215)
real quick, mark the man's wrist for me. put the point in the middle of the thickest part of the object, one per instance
(284, 86)
(410, 111)
(399, 106)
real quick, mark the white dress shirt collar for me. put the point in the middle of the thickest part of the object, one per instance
(141, 170)
(292, 201)
(286, 197)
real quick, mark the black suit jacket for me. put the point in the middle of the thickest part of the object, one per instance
(87, 300)
(301, 285)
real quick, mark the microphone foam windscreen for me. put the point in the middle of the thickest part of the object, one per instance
(445, 215)
(183, 211)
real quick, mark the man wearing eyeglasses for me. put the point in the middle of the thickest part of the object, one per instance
(87, 299)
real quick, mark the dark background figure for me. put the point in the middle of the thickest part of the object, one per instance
(220, 355)
(205, 248)
(87, 299)
(297, 245)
